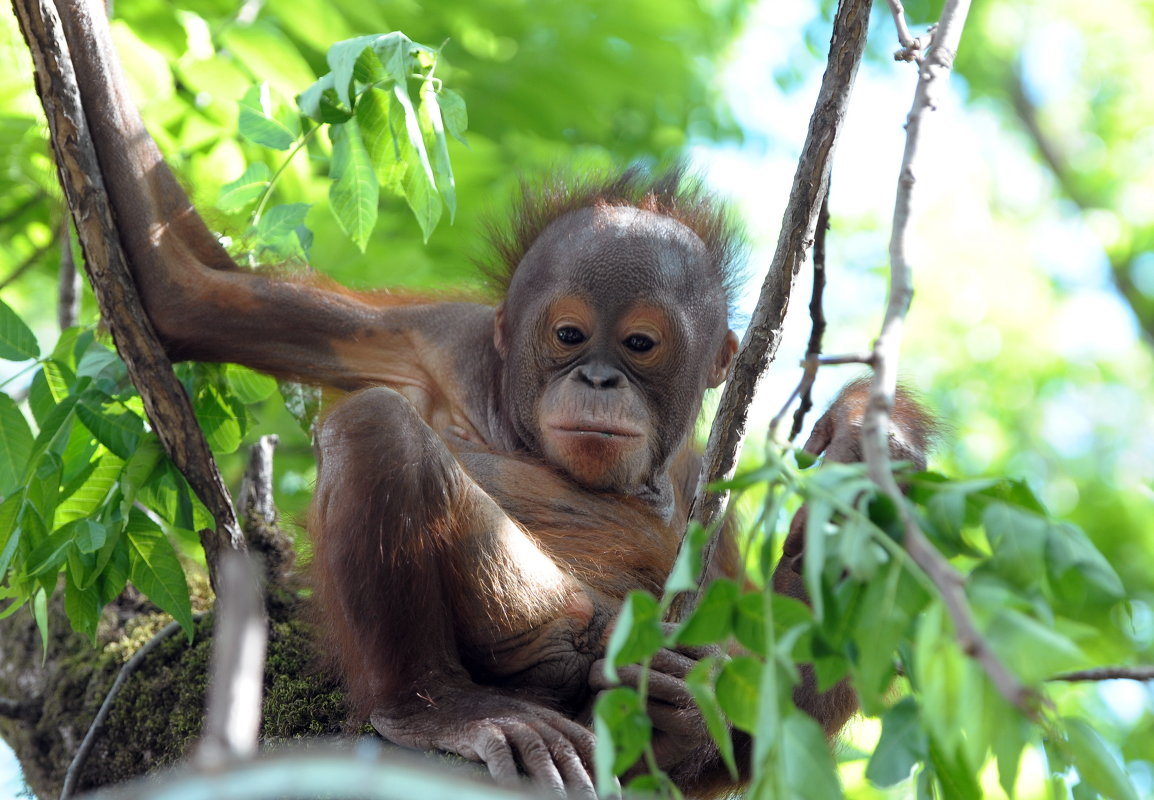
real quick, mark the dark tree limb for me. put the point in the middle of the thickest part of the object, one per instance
(933, 76)
(763, 336)
(165, 400)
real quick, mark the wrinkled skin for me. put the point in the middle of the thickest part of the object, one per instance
(495, 480)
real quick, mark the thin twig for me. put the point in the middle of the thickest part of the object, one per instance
(1108, 674)
(933, 76)
(763, 335)
(847, 358)
(817, 319)
(74, 769)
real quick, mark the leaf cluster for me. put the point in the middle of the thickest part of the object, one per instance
(876, 620)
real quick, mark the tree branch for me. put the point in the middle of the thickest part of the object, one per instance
(165, 400)
(810, 183)
(1108, 674)
(933, 77)
(239, 641)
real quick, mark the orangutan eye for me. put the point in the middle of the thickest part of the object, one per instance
(570, 335)
(639, 343)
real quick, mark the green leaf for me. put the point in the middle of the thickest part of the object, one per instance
(249, 386)
(42, 492)
(15, 445)
(749, 623)
(958, 779)
(342, 58)
(155, 569)
(302, 402)
(686, 569)
(17, 342)
(9, 531)
(237, 195)
(810, 771)
(419, 184)
(258, 123)
(321, 103)
(1076, 568)
(636, 635)
(902, 745)
(218, 420)
(712, 620)
(1032, 650)
(699, 681)
(1095, 764)
(737, 691)
(83, 608)
(86, 498)
(622, 730)
(454, 113)
(355, 192)
(433, 128)
(119, 431)
(1018, 541)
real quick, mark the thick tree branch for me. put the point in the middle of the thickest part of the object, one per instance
(933, 77)
(165, 400)
(810, 183)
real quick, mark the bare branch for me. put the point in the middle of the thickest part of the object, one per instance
(165, 400)
(1108, 674)
(933, 77)
(239, 639)
(258, 514)
(817, 318)
(847, 358)
(763, 336)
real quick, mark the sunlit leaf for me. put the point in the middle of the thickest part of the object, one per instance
(636, 635)
(622, 729)
(156, 571)
(259, 124)
(454, 113)
(17, 342)
(15, 445)
(810, 771)
(237, 195)
(902, 746)
(355, 192)
(737, 691)
(699, 681)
